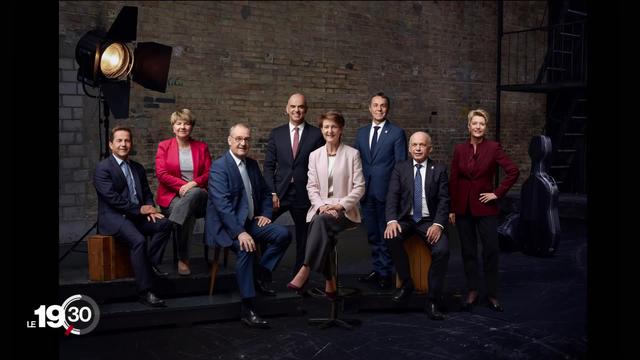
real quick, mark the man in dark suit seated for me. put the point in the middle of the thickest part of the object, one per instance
(126, 211)
(418, 203)
(239, 214)
(286, 164)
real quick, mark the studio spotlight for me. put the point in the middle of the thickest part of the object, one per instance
(110, 60)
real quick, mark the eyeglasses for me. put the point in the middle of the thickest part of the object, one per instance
(241, 139)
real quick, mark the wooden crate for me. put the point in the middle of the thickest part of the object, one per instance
(419, 263)
(108, 259)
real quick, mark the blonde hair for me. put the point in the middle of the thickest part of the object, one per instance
(185, 115)
(478, 112)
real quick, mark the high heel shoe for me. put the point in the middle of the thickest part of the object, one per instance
(468, 306)
(297, 289)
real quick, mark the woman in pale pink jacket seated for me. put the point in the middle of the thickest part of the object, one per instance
(335, 186)
(182, 169)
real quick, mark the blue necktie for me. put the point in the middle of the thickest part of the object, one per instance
(130, 183)
(374, 140)
(417, 195)
(247, 186)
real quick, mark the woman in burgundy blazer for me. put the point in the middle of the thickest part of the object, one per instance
(474, 204)
(182, 169)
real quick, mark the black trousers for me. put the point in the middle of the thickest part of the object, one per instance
(439, 255)
(299, 216)
(486, 227)
(143, 256)
(322, 239)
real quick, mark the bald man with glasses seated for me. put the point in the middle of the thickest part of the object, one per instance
(239, 214)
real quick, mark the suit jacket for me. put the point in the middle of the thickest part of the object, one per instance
(280, 166)
(348, 181)
(114, 205)
(377, 167)
(227, 208)
(401, 188)
(168, 168)
(472, 175)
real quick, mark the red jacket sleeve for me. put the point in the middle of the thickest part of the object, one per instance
(511, 172)
(202, 177)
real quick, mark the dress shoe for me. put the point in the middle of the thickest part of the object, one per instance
(251, 319)
(496, 306)
(402, 294)
(432, 311)
(370, 277)
(183, 268)
(262, 288)
(384, 282)
(159, 272)
(150, 299)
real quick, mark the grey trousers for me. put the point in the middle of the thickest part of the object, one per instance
(321, 240)
(184, 211)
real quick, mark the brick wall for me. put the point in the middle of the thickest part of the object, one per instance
(239, 61)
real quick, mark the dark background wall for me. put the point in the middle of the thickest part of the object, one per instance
(239, 61)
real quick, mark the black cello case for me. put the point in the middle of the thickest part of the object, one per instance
(539, 224)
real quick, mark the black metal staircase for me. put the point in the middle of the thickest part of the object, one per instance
(552, 59)
(567, 127)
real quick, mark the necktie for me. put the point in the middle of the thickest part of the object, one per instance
(296, 141)
(247, 186)
(417, 195)
(130, 183)
(374, 139)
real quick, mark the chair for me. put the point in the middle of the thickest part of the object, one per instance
(214, 265)
(333, 319)
(108, 259)
(175, 233)
(216, 257)
(419, 263)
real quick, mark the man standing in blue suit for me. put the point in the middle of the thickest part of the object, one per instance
(239, 214)
(381, 145)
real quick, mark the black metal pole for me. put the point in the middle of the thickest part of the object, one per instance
(498, 76)
(499, 68)
(107, 131)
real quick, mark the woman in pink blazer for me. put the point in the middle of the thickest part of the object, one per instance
(182, 169)
(335, 186)
(474, 207)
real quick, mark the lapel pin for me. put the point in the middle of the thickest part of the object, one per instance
(386, 131)
(431, 167)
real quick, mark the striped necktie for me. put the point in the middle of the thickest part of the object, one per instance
(130, 183)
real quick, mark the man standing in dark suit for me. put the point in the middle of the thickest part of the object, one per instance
(239, 214)
(381, 145)
(126, 211)
(285, 169)
(418, 203)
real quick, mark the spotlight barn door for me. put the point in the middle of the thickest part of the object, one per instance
(104, 61)
(151, 65)
(125, 26)
(117, 95)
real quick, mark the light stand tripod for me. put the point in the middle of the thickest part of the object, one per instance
(105, 122)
